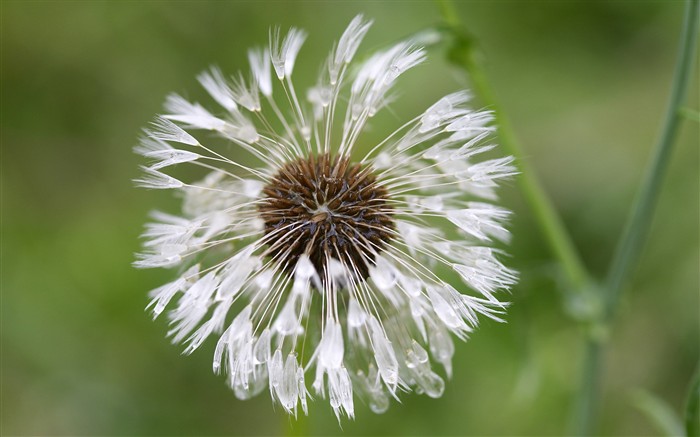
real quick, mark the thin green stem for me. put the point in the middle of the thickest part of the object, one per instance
(638, 224)
(639, 221)
(464, 55)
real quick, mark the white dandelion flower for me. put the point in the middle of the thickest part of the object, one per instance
(320, 269)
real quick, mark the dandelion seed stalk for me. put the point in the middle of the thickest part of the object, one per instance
(465, 55)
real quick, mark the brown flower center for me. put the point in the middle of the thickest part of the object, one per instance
(326, 208)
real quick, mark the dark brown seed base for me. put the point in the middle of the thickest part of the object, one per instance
(326, 207)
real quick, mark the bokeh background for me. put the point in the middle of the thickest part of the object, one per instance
(585, 86)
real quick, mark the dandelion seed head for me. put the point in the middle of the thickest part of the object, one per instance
(318, 267)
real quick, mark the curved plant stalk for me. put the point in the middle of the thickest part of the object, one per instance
(659, 412)
(638, 224)
(463, 54)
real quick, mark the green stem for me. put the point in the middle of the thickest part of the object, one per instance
(638, 224)
(639, 221)
(464, 55)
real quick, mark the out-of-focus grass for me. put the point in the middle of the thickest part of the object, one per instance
(584, 85)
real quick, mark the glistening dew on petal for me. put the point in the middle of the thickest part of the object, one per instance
(319, 268)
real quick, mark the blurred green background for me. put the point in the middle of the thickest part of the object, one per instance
(585, 86)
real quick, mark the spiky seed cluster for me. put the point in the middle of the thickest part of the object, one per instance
(319, 261)
(326, 208)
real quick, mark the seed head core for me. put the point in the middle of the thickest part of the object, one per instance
(326, 207)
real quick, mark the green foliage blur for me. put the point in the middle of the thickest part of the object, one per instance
(585, 86)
